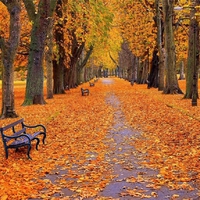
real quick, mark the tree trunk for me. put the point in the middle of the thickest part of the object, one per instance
(35, 76)
(58, 62)
(159, 23)
(72, 76)
(127, 61)
(81, 64)
(182, 72)
(171, 86)
(48, 61)
(9, 50)
(153, 76)
(142, 75)
(193, 58)
(76, 50)
(58, 77)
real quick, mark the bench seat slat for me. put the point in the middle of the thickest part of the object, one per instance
(15, 135)
(21, 141)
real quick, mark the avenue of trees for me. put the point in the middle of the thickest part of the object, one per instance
(68, 42)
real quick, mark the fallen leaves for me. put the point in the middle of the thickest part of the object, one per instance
(138, 193)
(169, 141)
(77, 153)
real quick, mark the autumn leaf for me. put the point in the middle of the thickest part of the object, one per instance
(76, 152)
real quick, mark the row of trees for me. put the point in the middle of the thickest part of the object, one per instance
(166, 38)
(68, 37)
(62, 35)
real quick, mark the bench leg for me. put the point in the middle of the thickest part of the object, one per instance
(6, 150)
(37, 142)
(28, 151)
(44, 137)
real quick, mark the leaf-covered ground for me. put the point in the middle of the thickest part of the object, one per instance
(76, 151)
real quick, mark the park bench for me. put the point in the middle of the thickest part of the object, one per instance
(84, 91)
(91, 84)
(15, 136)
(132, 82)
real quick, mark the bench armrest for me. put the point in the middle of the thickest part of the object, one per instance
(40, 130)
(35, 126)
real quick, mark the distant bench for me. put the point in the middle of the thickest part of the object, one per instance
(84, 91)
(15, 135)
(91, 84)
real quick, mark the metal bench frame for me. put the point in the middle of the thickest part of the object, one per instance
(84, 92)
(21, 138)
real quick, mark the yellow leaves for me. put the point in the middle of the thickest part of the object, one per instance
(138, 193)
(174, 196)
(182, 2)
(131, 180)
(154, 194)
(169, 142)
(104, 50)
(137, 27)
(4, 197)
(76, 129)
(47, 180)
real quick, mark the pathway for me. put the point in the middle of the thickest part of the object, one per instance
(131, 180)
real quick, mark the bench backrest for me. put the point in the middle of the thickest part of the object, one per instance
(11, 126)
(84, 90)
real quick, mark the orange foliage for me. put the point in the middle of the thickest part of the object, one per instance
(76, 129)
(138, 26)
(25, 33)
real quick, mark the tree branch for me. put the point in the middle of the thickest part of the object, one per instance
(30, 8)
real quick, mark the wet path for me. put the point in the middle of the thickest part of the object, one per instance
(122, 157)
(131, 181)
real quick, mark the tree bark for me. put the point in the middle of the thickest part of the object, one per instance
(193, 57)
(159, 24)
(127, 61)
(76, 50)
(153, 76)
(171, 85)
(48, 61)
(35, 76)
(182, 71)
(81, 64)
(9, 49)
(59, 61)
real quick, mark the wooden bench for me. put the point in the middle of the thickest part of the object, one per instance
(91, 84)
(15, 135)
(84, 91)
